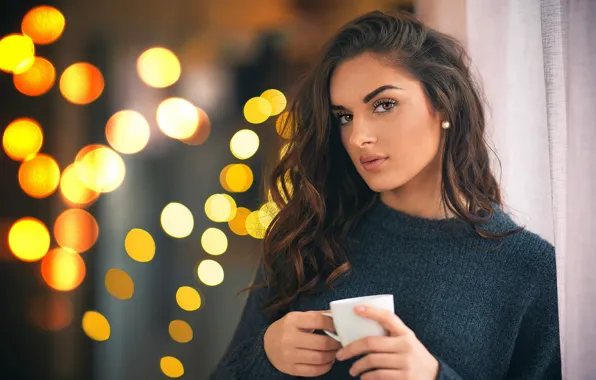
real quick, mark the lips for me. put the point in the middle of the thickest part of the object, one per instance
(371, 158)
(373, 163)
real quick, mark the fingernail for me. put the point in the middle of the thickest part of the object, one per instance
(360, 309)
(339, 354)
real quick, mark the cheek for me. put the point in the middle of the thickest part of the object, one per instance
(346, 143)
(415, 146)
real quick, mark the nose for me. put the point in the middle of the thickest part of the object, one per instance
(362, 134)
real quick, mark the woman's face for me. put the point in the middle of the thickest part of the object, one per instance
(387, 125)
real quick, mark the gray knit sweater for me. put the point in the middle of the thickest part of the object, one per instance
(485, 311)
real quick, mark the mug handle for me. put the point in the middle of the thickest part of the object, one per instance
(332, 335)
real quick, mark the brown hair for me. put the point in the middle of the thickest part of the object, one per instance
(315, 185)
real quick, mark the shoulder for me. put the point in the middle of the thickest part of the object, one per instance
(534, 256)
(531, 247)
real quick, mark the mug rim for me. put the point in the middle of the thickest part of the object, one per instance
(357, 299)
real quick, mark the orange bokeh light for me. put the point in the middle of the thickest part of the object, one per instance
(73, 190)
(52, 311)
(38, 80)
(100, 168)
(76, 229)
(285, 125)
(81, 83)
(177, 118)
(201, 134)
(22, 138)
(39, 176)
(44, 24)
(158, 67)
(127, 132)
(63, 269)
(29, 239)
(17, 53)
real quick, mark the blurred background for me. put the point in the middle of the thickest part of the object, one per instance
(135, 137)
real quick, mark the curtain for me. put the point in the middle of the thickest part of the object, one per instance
(570, 52)
(534, 59)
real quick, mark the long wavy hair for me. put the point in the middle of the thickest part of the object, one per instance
(318, 191)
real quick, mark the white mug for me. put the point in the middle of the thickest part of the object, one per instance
(349, 326)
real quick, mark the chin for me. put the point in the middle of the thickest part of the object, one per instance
(383, 184)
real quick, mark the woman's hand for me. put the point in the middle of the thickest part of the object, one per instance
(398, 356)
(293, 349)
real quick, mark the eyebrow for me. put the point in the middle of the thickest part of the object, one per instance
(371, 95)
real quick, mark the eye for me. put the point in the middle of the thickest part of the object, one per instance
(384, 105)
(343, 118)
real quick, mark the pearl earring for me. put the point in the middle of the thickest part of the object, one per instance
(445, 125)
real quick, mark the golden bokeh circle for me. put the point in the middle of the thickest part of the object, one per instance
(39, 175)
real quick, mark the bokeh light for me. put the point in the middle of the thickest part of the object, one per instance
(76, 229)
(210, 273)
(220, 208)
(284, 150)
(63, 269)
(52, 311)
(180, 331)
(96, 326)
(22, 138)
(214, 241)
(74, 192)
(171, 367)
(277, 100)
(37, 80)
(17, 53)
(238, 224)
(29, 239)
(236, 178)
(287, 181)
(188, 298)
(253, 225)
(127, 132)
(39, 175)
(119, 284)
(201, 134)
(158, 67)
(267, 212)
(244, 144)
(100, 168)
(139, 245)
(177, 220)
(257, 110)
(81, 83)
(177, 118)
(44, 24)
(285, 126)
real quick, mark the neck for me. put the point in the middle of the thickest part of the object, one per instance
(421, 196)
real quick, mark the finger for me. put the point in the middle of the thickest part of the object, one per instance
(315, 342)
(329, 325)
(314, 357)
(312, 320)
(373, 344)
(389, 320)
(383, 374)
(311, 370)
(377, 361)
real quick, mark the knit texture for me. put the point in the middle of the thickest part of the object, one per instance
(486, 310)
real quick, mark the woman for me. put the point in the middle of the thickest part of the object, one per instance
(386, 188)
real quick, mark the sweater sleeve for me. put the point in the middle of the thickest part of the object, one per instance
(245, 357)
(446, 372)
(537, 353)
